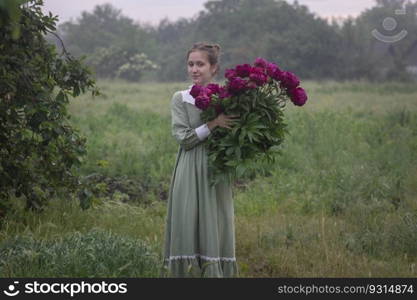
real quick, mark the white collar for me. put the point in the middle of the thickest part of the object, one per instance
(186, 97)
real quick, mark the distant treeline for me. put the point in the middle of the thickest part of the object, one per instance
(288, 34)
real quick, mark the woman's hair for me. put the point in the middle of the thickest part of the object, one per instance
(212, 50)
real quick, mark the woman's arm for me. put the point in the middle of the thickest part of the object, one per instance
(185, 135)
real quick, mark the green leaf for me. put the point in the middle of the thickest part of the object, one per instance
(60, 97)
(255, 138)
(235, 130)
(231, 163)
(229, 151)
(240, 170)
(238, 152)
(242, 137)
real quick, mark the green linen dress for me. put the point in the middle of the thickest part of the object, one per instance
(199, 232)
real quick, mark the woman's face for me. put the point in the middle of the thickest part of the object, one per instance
(199, 68)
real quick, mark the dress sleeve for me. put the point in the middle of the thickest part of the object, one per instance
(185, 135)
(203, 131)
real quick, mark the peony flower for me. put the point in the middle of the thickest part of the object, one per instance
(243, 70)
(215, 88)
(230, 73)
(224, 93)
(258, 76)
(298, 96)
(206, 91)
(237, 85)
(196, 90)
(272, 69)
(260, 62)
(289, 80)
(202, 101)
(278, 75)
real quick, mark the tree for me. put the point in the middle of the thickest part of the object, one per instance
(10, 14)
(399, 52)
(39, 148)
(114, 46)
(365, 56)
(287, 34)
(103, 28)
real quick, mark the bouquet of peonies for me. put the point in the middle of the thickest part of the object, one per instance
(258, 94)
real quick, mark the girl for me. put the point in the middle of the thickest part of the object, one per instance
(199, 233)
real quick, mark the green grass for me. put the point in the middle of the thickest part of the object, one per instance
(339, 202)
(78, 255)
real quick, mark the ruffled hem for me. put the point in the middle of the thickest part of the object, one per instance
(197, 266)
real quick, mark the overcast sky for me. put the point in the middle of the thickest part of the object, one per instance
(151, 11)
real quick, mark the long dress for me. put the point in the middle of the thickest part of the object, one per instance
(199, 232)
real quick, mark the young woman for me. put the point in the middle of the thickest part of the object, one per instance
(199, 233)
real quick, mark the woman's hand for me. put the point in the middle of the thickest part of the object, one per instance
(222, 120)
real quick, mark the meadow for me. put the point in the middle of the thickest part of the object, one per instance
(339, 202)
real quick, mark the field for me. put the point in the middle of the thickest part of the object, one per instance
(339, 202)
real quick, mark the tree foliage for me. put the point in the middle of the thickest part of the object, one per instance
(39, 148)
(10, 14)
(288, 34)
(388, 60)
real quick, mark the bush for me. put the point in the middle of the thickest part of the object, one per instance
(38, 145)
(115, 62)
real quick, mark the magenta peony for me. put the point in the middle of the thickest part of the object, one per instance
(298, 96)
(207, 91)
(260, 62)
(289, 80)
(224, 93)
(214, 88)
(195, 90)
(272, 69)
(243, 70)
(202, 101)
(258, 76)
(277, 75)
(230, 73)
(236, 85)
